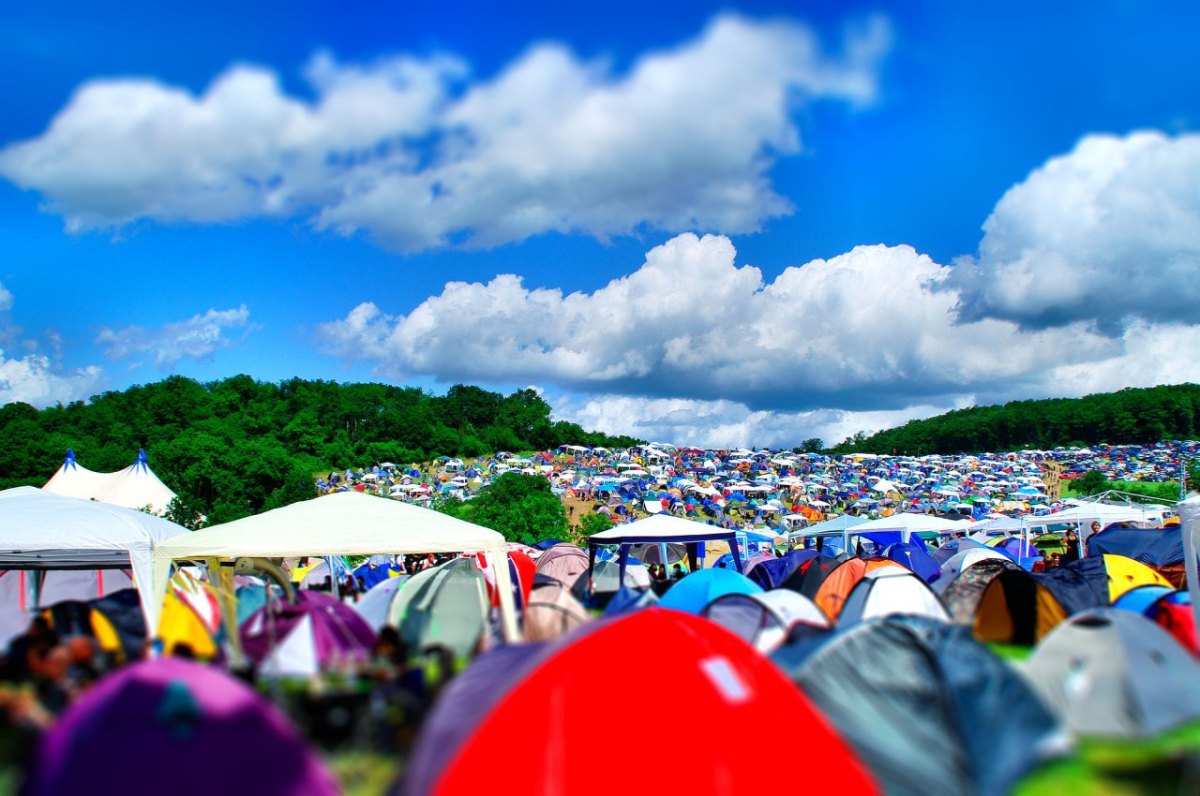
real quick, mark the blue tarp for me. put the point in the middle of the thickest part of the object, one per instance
(1153, 546)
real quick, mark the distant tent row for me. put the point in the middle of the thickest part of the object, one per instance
(135, 487)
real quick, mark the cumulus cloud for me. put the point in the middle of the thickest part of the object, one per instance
(693, 341)
(724, 424)
(418, 154)
(1109, 232)
(195, 338)
(867, 329)
(36, 380)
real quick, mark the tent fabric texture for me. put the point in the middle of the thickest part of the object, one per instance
(526, 704)
(891, 590)
(931, 711)
(316, 633)
(148, 724)
(446, 605)
(697, 589)
(1115, 674)
(343, 523)
(764, 620)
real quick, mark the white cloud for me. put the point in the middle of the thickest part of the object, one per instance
(724, 424)
(701, 346)
(195, 338)
(1108, 232)
(417, 155)
(35, 380)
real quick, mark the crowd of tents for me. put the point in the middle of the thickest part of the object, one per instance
(769, 493)
(908, 653)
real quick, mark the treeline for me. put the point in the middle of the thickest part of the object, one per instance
(234, 447)
(1130, 416)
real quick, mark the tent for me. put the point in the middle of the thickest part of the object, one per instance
(661, 529)
(697, 589)
(891, 590)
(377, 602)
(343, 523)
(446, 605)
(40, 531)
(1170, 609)
(1125, 574)
(606, 580)
(928, 709)
(135, 487)
(146, 726)
(1116, 674)
(915, 559)
(962, 595)
(315, 633)
(764, 619)
(836, 587)
(1161, 549)
(552, 612)
(772, 572)
(957, 563)
(528, 703)
(563, 562)
(809, 576)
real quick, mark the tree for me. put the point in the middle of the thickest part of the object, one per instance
(594, 523)
(522, 508)
(184, 511)
(814, 445)
(1090, 483)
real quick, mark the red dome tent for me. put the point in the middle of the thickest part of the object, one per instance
(543, 706)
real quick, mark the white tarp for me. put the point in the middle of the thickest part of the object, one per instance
(344, 523)
(39, 530)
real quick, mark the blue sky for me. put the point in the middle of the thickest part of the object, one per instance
(744, 224)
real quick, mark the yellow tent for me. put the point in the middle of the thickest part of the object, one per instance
(1125, 574)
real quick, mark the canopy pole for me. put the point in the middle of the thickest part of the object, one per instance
(222, 580)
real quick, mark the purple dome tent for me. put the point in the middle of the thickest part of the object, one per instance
(316, 633)
(153, 726)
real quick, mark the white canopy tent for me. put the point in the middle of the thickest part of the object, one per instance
(907, 524)
(42, 531)
(1087, 512)
(661, 529)
(343, 523)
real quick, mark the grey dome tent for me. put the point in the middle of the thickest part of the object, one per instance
(1113, 673)
(929, 709)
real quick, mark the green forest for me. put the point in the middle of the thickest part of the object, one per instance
(1130, 416)
(234, 447)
